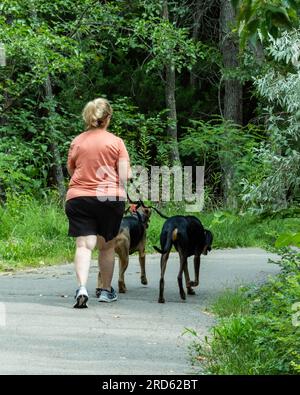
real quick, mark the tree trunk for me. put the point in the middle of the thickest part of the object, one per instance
(170, 87)
(233, 95)
(56, 165)
(233, 106)
(195, 34)
(57, 168)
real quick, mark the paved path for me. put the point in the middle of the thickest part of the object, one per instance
(136, 335)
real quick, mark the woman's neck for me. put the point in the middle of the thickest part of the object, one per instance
(97, 130)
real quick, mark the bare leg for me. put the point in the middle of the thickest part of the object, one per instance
(83, 254)
(106, 261)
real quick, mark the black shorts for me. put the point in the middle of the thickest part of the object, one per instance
(89, 216)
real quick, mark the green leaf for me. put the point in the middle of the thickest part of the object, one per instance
(252, 26)
(288, 239)
(279, 19)
(279, 11)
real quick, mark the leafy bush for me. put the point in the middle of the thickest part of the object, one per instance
(145, 136)
(216, 142)
(279, 156)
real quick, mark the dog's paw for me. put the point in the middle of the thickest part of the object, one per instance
(182, 295)
(122, 288)
(144, 280)
(193, 284)
(190, 291)
(161, 300)
(98, 292)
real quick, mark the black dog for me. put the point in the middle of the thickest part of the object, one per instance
(189, 237)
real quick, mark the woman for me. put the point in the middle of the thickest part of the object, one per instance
(98, 164)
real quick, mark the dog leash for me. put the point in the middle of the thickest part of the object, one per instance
(141, 203)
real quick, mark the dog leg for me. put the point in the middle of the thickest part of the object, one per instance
(142, 259)
(183, 265)
(163, 265)
(189, 288)
(123, 264)
(197, 271)
(122, 249)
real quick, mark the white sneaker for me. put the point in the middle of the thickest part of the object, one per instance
(81, 297)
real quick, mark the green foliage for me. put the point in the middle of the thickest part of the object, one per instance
(87, 49)
(288, 239)
(259, 335)
(259, 19)
(26, 141)
(216, 135)
(11, 178)
(145, 136)
(35, 47)
(211, 143)
(279, 156)
(165, 43)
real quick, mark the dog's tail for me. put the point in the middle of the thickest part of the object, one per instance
(171, 236)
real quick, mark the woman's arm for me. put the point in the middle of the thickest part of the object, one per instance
(70, 170)
(71, 160)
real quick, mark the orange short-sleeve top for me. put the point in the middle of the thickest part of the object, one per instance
(94, 158)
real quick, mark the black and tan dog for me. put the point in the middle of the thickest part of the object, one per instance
(131, 238)
(189, 237)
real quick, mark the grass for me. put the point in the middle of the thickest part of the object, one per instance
(34, 233)
(255, 333)
(231, 302)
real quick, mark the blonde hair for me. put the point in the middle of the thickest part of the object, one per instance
(96, 112)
